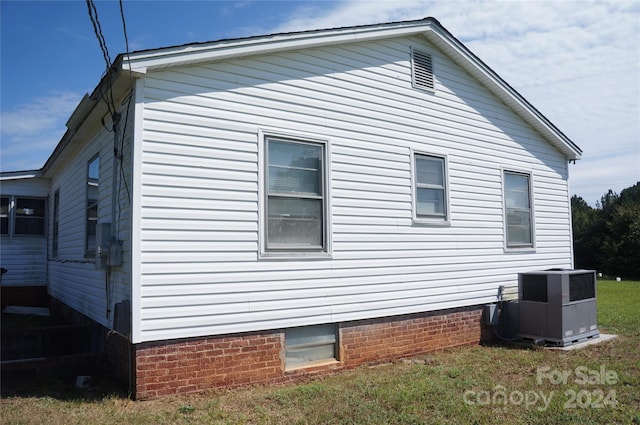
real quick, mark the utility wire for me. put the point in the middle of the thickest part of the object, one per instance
(123, 179)
(107, 96)
(97, 28)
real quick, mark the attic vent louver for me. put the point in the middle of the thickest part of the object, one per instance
(422, 71)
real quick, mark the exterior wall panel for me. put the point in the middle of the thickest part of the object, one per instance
(73, 277)
(199, 272)
(24, 256)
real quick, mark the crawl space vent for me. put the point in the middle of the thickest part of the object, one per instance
(422, 71)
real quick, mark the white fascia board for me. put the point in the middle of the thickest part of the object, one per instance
(190, 54)
(468, 61)
(19, 175)
(144, 61)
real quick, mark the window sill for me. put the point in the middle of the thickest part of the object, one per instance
(288, 256)
(520, 250)
(317, 363)
(431, 223)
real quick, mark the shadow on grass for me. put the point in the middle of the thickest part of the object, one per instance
(64, 389)
(42, 356)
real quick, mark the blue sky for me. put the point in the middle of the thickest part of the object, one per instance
(577, 62)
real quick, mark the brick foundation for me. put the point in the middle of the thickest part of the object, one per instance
(194, 365)
(197, 364)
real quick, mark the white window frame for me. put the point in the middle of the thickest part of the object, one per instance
(292, 253)
(415, 185)
(518, 247)
(90, 251)
(12, 217)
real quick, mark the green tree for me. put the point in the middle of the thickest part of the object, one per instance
(586, 247)
(621, 240)
(607, 238)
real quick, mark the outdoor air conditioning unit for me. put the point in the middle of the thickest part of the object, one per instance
(558, 306)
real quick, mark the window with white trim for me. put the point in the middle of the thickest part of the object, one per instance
(93, 181)
(518, 212)
(430, 188)
(4, 215)
(22, 216)
(295, 192)
(309, 344)
(29, 216)
(56, 219)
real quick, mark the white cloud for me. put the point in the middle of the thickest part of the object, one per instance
(31, 131)
(576, 62)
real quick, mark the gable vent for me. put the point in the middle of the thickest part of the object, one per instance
(422, 71)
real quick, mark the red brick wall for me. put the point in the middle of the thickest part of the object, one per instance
(193, 365)
(383, 339)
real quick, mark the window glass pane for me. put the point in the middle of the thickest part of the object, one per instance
(93, 181)
(430, 202)
(300, 356)
(4, 216)
(311, 334)
(295, 187)
(518, 210)
(519, 227)
(295, 167)
(429, 171)
(93, 172)
(294, 154)
(517, 190)
(92, 221)
(292, 180)
(294, 222)
(26, 207)
(92, 192)
(310, 343)
(29, 216)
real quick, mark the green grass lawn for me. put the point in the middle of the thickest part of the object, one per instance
(474, 385)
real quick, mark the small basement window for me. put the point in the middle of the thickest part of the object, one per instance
(309, 344)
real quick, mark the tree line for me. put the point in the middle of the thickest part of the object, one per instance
(607, 238)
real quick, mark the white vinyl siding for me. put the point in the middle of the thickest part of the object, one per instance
(73, 277)
(200, 191)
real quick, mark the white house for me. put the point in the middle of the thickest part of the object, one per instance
(298, 203)
(23, 241)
